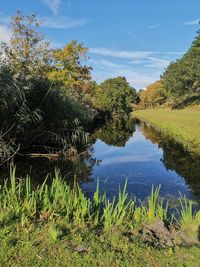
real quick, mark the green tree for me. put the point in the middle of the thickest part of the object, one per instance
(67, 69)
(182, 78)
(115, 96)
(27, 54)
(154, 95)
(34, 115)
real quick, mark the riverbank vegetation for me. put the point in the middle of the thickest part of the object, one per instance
(172, 103)
(48, 101)
(179, 85)
(54, 223)
(49, 104)
(182, 125)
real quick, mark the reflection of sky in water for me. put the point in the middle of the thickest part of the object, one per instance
(140, 162)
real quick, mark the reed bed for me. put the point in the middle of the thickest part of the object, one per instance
(23, 203)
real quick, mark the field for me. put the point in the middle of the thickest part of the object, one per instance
(182, 125)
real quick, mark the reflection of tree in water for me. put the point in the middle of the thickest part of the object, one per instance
(116, 132)
(176, 158)
(150, 133)
(38, 168)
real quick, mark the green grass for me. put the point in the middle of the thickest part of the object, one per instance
(21, 203)
(54, 224)
(35, 247)
(182, 125)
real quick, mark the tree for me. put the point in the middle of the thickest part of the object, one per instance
(67, 68)
(182, 78)
(115, 96)
(27, 54)
(154, 95)
(35, 117)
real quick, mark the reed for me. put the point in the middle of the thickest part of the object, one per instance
(22, 203)
(187, 215)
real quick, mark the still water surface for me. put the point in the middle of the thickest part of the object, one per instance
(125, 149)
(146, 158)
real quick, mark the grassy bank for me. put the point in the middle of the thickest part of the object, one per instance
(182, 125)
(82, 247)
(56, 225)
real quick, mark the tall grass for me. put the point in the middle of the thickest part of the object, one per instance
(187, 215)
(155, 207)
(182, 125)
(22, 203)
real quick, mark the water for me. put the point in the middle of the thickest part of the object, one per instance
(127, 150)
(146, 158)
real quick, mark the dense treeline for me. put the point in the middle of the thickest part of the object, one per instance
(179, 85)
(48, 100)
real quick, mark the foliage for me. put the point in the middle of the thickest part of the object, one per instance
(115, 96)
(181, 78)
(27, 54)
(35, 114)
(154, 95)
(20, 201)
(55, 220)
(116, 132)
(67, 69)
(47, 98)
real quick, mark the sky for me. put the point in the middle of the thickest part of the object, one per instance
(132, 38)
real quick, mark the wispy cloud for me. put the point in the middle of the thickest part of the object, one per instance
(122, 53)
(62, 22)
(53, 5)
(53, 22)
(174, 53)
(147, 58)
(105, 69)
(192, 22)
(5, 33)
(157, 63)
(141, 68)
(155, 26)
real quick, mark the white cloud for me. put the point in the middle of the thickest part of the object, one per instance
(5, 33)
(146, 58)
(105, 69)
(192, 22)
(122, 53)
(151, 62)
(53, 5)
(141, 68)
(174, 53)
(62, 22)
(157, 63)
(103, 62)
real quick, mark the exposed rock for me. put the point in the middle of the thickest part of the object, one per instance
(157, 235)
(81, 249)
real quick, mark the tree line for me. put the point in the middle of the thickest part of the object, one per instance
(179, 85)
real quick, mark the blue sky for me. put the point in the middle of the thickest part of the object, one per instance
(132, 38)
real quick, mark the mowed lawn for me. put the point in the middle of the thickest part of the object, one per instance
(182, 125)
